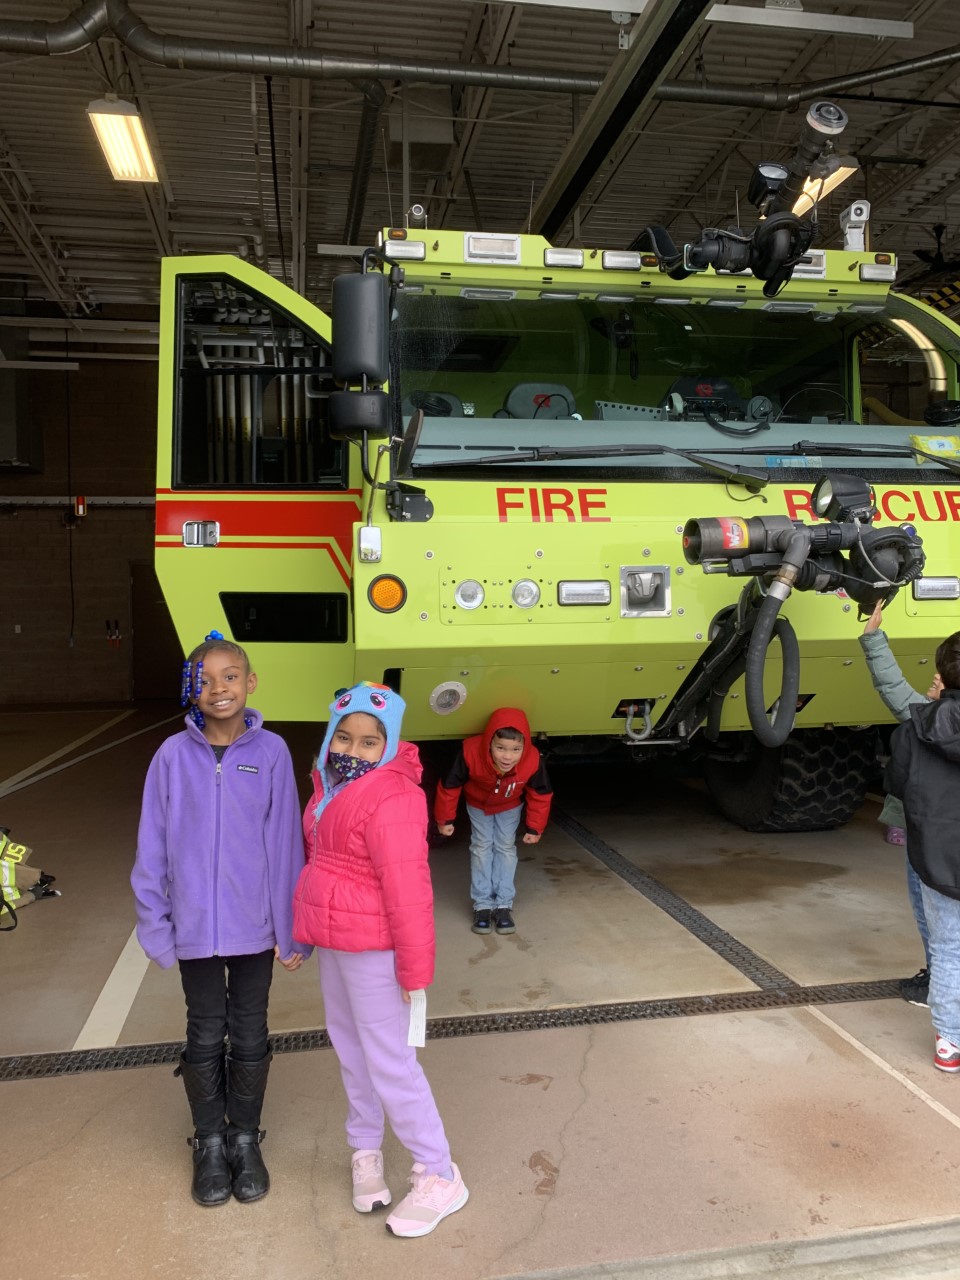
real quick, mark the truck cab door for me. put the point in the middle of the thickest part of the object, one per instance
(255, 501)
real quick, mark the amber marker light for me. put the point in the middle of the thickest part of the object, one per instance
(387, 594)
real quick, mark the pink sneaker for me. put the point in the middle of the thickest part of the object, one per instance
(947, 1056)
(369, 1189)
(430, 1201)
(896, 835)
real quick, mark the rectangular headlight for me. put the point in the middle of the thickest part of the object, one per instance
(405, 249)
(885, 271)
(494, 247)
(620, 260)
(563, 257)
(936, 589)
(596, 592)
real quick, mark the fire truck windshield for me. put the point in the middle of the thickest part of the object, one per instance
(497, 371)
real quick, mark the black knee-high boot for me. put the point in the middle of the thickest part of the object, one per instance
(246, 1084)
(206, 1087)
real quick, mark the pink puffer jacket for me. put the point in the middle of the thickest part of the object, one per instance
(366, 885)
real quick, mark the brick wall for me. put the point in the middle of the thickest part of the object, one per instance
(111, 408)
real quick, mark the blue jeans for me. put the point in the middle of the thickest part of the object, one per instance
(915, 890)
(493, 857)
(943, 921)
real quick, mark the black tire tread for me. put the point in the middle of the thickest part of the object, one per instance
(816, 781)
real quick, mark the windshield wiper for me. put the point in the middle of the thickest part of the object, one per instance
(854, 451)
(754, 480)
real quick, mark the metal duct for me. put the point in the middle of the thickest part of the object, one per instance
(97, 18)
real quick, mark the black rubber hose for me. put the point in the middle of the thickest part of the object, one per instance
(772, 733)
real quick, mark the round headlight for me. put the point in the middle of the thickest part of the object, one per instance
(448, 697)
(525, 593)
(469, 594)
(822, 496)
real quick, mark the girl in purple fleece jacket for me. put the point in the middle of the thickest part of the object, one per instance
(218, 856)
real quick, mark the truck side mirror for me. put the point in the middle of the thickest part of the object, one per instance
(360, 328)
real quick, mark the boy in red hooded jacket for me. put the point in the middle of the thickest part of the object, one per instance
(498, 770)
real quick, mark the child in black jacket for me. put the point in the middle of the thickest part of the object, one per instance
(924, 772)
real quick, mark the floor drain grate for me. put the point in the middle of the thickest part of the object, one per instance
(38, 1066)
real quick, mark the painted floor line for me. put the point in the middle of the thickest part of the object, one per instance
(105, 1021)
(39, 777)
(877, 1061)
(56, 755)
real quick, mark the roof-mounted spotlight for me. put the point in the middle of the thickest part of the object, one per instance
(767, 179)
(843, 497)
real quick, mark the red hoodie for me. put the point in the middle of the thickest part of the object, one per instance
(486, 788)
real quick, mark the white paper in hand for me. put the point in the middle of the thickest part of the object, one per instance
(417, 1035)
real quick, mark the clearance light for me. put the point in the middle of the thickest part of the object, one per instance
(615, 297)
(583, 592)
(727, 302)
(936, 589)
(554, 296)
(878, 271)
(563, 257)
(469, 594)
(490, 248)
(415, 249)
(387, 594)
(526, 593)
(620, 260)
(673, 302)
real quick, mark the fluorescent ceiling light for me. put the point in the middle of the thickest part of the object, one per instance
(119, 131)
(834, 23)
(817, 189)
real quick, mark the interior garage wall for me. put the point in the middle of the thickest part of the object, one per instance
(60, 583)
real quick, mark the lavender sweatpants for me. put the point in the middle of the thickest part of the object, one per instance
(368, 1021)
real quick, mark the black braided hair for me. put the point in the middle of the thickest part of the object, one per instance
(193, 669)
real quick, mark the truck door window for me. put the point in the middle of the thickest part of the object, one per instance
(251, 393)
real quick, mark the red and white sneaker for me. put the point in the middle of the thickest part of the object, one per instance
(369, 1189)
(430, 1201)
(947, 1056)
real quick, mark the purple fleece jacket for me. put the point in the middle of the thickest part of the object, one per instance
(220, 848)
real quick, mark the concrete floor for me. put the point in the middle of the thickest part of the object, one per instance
(814, 1141)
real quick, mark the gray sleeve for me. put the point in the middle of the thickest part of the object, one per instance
(889, 681)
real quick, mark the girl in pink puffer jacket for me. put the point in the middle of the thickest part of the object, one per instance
(365, 900)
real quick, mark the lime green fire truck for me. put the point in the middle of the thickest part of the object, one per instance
(499, 517)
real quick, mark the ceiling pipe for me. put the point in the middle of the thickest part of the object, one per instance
(96, 18)
(782, 99)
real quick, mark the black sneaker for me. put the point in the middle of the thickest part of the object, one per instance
(481, 921)
(916, 990)
(503, 919)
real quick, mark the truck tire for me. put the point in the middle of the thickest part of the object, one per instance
(817, 780)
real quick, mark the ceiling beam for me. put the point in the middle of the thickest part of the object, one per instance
(657, 45)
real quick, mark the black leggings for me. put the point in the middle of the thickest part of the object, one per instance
(227, 996)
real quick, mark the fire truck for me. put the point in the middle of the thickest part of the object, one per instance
(498, 479)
